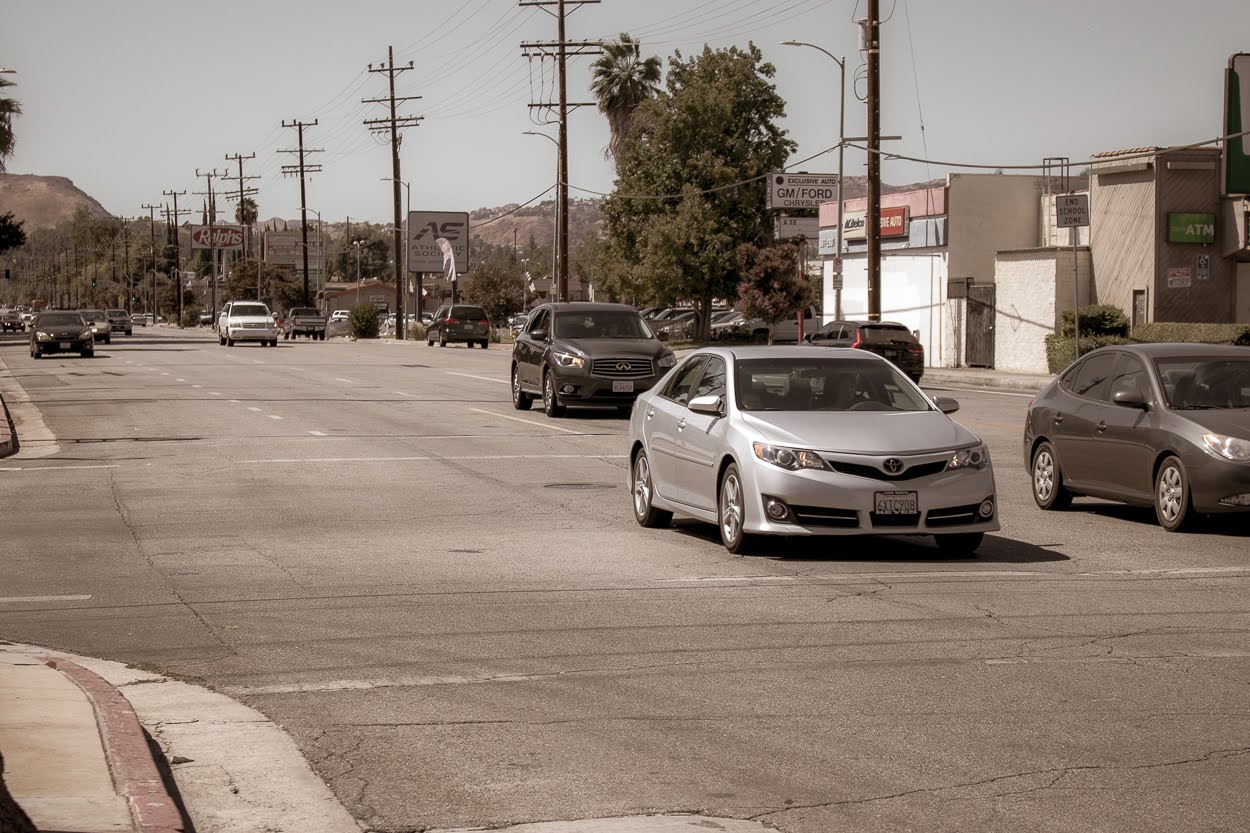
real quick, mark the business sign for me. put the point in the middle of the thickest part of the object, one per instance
(790, 228)
(894, 223)
(1191, 228)
(1236, 119)
(228, 238)
(1071, 210)
(286, 248)
(789, 191)
(425, 251)
(1180, 277)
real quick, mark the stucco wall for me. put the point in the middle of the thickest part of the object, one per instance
(989, 213)
(1033, 289)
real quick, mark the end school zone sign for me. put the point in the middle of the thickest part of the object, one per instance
(801, 190)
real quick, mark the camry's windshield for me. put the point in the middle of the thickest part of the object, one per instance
(601, 324)
(1205, 383)
(818, 384)
(60, 319)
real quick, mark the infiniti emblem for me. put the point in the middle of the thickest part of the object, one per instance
(623, 366)
(893, 465)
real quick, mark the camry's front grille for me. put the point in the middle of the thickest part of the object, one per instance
(622, 368)
(910, 473)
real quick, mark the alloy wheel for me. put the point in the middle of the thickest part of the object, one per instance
(731, 509)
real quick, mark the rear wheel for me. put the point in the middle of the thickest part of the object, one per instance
(731, 512)
(1048, 489)
(1173, 506)
(644, 492)
(962, 543)
(551, 405)
(520, 399)
(486, 344)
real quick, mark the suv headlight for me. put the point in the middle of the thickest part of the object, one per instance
(790, 459)
(42, 336)
(568, 360)
(977, 457)
(1230, 448)
(667, 360)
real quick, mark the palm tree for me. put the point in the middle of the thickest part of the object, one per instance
(8, 109)
(245, 214)
(621, 82)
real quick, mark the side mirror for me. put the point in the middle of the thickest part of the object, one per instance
(946, 404)
(538, 335)
(707, 405)
(1130, 398)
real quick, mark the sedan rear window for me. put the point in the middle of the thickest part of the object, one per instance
(468, 313)
(816, 384)
(601, 324)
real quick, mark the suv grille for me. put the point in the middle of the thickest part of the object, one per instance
(622, 368)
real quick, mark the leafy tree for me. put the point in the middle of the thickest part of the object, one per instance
(691, 184)
(245, 214)
(9, 107)
(621, 80)
(12, 235)
(279, 289)
(497, 288)
(772, 288)
(362, 321)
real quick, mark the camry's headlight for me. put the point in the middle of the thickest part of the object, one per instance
(977, 457)
(667, 360)
(791, 459)
(1230, 448)
(568, 360)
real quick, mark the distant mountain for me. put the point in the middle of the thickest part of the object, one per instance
(536, 221)
(44, 201)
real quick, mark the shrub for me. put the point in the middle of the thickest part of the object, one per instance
(415, 332)
(190, 316)
(1061, 350)
(362, 321)
(1172, 331)
(1098, 319)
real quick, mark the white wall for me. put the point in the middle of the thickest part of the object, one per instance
(913, 292)
(1025, 314)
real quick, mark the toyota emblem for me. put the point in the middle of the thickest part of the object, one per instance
(893, 465)
(624, 366)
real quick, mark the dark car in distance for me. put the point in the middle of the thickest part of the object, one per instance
(576, 353)
(61, 331)
(887, 339)
(119, 321)
(458, 322)
(1162, 425)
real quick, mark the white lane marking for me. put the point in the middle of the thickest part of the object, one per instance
(344, 381)
(317, 433)
(164, 374)
(257, 361)
(483, 378)
(234, 401)
(197, 387)
(180, 380)
(334, 460)
(729, 578)
(433, 459)
(274, 416)
(257, 410)
(401, 393)
(980, 390)
(20, 599)
(529, 422)
(214, 393)
(59, 468)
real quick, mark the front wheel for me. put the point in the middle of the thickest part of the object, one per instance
(1049, 492)
(486, 344)
(520, 399)
(962, 543)
(644, 493)
(731, 512)
(1173, 504)
(551, 405)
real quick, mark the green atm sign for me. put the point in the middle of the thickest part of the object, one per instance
(1191, 228)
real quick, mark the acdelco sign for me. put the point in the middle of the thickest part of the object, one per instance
(217, 237)
(801, 190)
(893, 223)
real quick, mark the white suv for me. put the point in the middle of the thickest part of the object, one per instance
(247, 321)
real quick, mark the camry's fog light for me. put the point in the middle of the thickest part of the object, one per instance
(1236, 500)
(776, 510)
(567, 389)
(986, 509)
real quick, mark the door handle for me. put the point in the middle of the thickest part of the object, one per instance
(1102, 426)
(1057, 419)
(681, 424)
(650, 412)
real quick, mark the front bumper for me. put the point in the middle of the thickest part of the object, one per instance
(1213, 479)
(65, 345)
(252, 333)
(578, 386)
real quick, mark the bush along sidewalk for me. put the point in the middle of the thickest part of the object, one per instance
(1103, 325)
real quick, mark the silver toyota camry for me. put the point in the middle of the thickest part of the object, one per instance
(807, 441)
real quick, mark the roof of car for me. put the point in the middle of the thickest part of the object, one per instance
(791, 351)
(587, 306)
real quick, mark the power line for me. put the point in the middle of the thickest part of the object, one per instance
(303, 169)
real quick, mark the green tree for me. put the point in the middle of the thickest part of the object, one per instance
(496, 287)
(245, 214)
(621, 81)
(691, 180)
(772, 288)
(279, 289)
(362, 321)
(9, 107)
(12, 235)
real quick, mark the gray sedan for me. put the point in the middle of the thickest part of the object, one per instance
(1162, 425)
(807, 441)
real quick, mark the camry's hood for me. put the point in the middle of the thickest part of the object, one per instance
(601, 347)
(1231, 422)
(861, 432)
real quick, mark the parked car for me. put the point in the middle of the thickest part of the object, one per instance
(887, 339)
(100, 325)
(11, 319)
(575, 353)
(61, 331)
(304, 321)
(786, 331)
(119, 321)
(677, 326)
(1162, 425)
(458, 322)
(206, 319)
(517, 322)
(138, 319)
(807, 441)
(247, 321)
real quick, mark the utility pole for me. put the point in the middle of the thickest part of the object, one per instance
(244, 191)
(176, 214)
(561, 48)
(303, 169)
(872, 45)
(130, 306)
(211, 221)
(392, 124)
(152, 223)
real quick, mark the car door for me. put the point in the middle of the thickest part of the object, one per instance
(533, 342)
(1122, 435)
(700, 439)
(660, 428)
(1084, 406)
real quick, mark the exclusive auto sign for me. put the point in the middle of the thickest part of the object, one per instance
(788, 191)
(217, 237)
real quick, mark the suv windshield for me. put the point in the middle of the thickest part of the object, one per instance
(601, 324)
(249, 309)
(817, 384)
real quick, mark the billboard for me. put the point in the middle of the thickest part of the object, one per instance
(286, 248)
(1237, 119)
(426, 253)
(226, 238)
(894, 223)
(801, 190)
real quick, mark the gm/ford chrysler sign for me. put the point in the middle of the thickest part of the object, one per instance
(801, 190)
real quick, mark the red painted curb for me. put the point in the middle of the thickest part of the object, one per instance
(130, 761)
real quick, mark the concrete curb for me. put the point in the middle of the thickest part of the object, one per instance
(8, 436)
(130, 760)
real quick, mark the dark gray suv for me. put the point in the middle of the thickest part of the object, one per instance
(585, 354)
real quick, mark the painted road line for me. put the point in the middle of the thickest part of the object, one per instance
(344, 381)
(318, 433)
(60, 468)
(180, 380)
(27, 599)
(214, 393)
(401, 393)
(334, 460)
(197, 387)
(274, 416)
(530, 422)
(257, 410)
(483, 378)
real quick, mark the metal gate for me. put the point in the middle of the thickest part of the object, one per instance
(980, 333)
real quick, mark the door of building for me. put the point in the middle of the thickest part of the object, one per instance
(1140, 310)
(981, 325)
(1242, 313)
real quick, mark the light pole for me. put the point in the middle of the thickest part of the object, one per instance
(399, 329)
(555, 239)
(841, 62)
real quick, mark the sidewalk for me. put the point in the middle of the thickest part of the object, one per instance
(980, 377)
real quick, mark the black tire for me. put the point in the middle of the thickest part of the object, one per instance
(108, 339)
(1172, 500)
(221, 340)
(1049, 491)
(273, 342)
(486, 344)
(86, 354)
(520, 399)
(286, 336)
(731, 513)
(229, 341)
(36, 355)
(429, 342)
(551, 403)
(442, 341)
(959, 543)
(643, 492)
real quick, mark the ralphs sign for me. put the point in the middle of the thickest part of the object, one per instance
(426, 229)
(217, 237)
(801, 190)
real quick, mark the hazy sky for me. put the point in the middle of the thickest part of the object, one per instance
(129, 97)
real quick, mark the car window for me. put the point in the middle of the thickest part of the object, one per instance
(712, 382)
(884, 334)
(1092, 379)
(469, 313)
(1205, 382)
(820, 384)
(538, 320)
(1130, 375)
(679, 387)
(60, 319)
(249, 309)
(600, 324)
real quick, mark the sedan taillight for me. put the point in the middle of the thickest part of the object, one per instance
(453, 320)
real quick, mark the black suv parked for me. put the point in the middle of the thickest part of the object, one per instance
(885, 338)
(585, 354)
(459, 322)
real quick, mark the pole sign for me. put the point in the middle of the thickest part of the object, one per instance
(286, 248)
(1071, 210)
(894, 223)
(790, 191)
(426, 254)
(1191, 228)
(228, 238)
(791, 228)
(1236, 156)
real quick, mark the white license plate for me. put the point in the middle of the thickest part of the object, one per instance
(891, 354)
(622, 387)
(896, 503)
(64, 345)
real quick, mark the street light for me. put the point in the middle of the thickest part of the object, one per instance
(555, 237)
(399, 327)
(841, 62)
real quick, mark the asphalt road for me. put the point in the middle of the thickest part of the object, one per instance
(448, 605)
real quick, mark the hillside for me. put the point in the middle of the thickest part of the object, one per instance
(43, 201)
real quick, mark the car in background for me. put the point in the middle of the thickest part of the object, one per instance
(119, 321)
(100, 325)
(1161, 425)
(458, 322)
(339, 315)
(679, 325)
(306, 321)
(516, 323)
(11, 319)
(887, 339)
(804, 441)
(577, 353)
(61, 331)
(247, 321)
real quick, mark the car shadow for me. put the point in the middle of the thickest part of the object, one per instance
(1230, 524)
